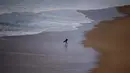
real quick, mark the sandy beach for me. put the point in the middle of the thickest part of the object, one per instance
(46, 52)
(111, 39)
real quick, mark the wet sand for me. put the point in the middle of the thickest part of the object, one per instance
(111, 39)
(45, 53)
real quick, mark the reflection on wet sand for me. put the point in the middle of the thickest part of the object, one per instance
(112, 38)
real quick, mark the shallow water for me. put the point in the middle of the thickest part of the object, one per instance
(46, 53)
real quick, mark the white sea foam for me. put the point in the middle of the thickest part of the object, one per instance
(14, 24)
(36, 16)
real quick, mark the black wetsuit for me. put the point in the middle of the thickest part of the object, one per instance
(66, 41)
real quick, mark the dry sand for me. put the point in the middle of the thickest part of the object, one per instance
(112, 40)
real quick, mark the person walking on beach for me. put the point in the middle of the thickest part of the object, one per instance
(65, 41)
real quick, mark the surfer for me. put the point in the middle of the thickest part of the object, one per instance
(65, 41)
